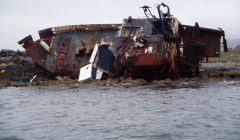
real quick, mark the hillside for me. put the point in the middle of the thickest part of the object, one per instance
(237, 48)
(232, 43)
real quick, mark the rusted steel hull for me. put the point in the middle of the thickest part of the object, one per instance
(210, 37)
(151, 48)
(70, 47)
(150, 61)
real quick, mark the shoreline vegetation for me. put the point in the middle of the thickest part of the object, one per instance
(17, 69)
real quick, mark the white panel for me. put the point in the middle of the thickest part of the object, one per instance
(85, 72)
(150, 49)
(146, 50)
(45, 45)
(35, 36)
(99, 74)
(94, 54)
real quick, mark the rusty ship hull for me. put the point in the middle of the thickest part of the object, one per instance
(64, 50)
(149, 61)
(151, 48)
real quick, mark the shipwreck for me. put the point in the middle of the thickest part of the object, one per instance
(154, 47)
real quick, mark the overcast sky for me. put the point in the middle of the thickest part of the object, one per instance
(19, 18)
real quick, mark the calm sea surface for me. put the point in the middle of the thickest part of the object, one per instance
(158, 111)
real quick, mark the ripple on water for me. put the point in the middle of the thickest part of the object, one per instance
(156, 111)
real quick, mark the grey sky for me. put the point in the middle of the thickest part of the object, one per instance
(20, 18)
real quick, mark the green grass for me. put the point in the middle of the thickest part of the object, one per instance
(231, 56)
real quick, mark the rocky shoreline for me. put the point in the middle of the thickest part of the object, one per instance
(17, 69)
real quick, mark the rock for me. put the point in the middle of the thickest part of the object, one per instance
(3, 65)
(59, 78)
(16, 64)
